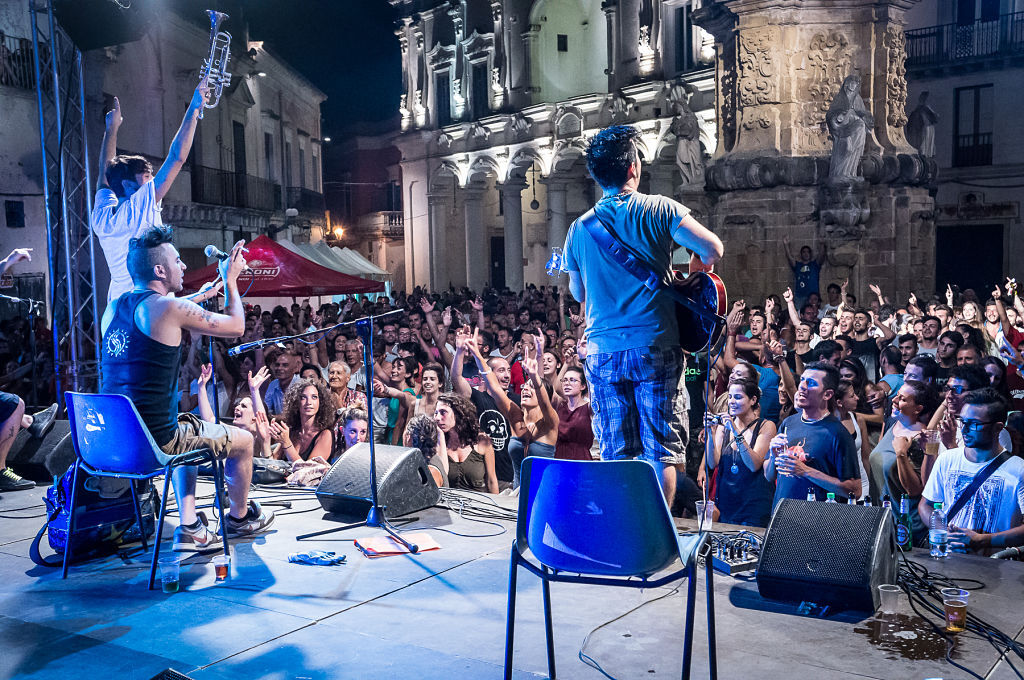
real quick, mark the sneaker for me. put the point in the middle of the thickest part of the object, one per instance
(12, 481)
(42, 422)
(198, 540)
(256, 521)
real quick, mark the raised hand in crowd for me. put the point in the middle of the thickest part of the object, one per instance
(17, 255)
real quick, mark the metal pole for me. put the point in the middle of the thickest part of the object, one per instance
(88, 206)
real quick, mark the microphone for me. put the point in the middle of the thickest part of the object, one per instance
(245, 347)
(214, 251)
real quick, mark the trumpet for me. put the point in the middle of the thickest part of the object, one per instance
(215, 67)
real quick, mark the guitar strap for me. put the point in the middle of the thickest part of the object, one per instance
(976, 483)
(632, 264)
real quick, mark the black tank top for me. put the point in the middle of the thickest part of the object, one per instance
(139, 367)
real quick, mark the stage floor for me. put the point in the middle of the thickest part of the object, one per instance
(440, 614)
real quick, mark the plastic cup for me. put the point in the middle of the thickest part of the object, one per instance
(705, 515)
(954, 600)
(221, 567)
(889, 597)
(170, 573)
(930, 439)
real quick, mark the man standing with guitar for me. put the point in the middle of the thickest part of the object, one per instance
(634, 359)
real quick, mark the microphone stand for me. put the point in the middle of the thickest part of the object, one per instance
(375, 518)
(31, 337)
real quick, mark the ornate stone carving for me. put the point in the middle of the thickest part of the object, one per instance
(444, 141)
(567, 121)
(686, 128)
(758, 78)
(617, 107)
(478, 132)
(896, 78)
(828, 61)
(848, 123)
(519, 126)
(843, 205)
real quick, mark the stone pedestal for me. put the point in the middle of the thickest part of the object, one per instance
(778, 69)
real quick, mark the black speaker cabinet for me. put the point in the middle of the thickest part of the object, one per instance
(404, 484)
(827, 553)
(43, 459)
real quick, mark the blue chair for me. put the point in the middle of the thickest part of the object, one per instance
(601, 523)
(112, 441)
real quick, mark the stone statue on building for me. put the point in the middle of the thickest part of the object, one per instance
(920, 127)
(686, 128)
(848, 123)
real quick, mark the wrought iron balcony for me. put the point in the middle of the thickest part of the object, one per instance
(221, 187)
(306, 201)
(382, 224)
(17, 68)
(950, 44)
(973, 149)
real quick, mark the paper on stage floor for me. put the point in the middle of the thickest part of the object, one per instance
(382, 546)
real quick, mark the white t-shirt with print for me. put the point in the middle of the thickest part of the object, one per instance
(997, 506)
(115, 225)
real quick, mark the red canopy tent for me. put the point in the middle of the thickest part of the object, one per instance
(280, 272)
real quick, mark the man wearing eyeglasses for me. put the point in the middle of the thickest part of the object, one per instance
(962, 379)
(992, 517)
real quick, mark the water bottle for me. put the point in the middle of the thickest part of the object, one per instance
(830, 498)
(867, 502)
(556, 263)
(811, 496)
(887, 502)
(938, 533)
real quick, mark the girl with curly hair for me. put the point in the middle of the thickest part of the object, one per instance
(470, 454)
(423, 433)
(306, 428)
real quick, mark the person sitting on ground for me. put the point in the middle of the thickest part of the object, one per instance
(816, 453)
(305, 428)
(353, 428)
(470, 455)
(423, 433)
(737, 449)
(991, 519)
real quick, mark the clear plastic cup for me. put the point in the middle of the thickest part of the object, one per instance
(170, 573)
(221, 567)
(705, 515)
(888, 598)
(954, 601)
(930, 441)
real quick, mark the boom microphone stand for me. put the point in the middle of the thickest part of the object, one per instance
(375, 518)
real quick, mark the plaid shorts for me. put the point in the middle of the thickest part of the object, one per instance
(639, 404)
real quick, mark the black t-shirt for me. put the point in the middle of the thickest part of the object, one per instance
(829, 448)
(495, 426)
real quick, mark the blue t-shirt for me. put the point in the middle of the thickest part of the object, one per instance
(768, 381)
(829, 448)
(622, 313)
(806, 278)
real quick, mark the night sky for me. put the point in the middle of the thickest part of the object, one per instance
(347, 48)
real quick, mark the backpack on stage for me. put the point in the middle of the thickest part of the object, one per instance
(105, 518)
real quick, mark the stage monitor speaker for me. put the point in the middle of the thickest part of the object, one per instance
(43, 459)
(827, 553)
(404, 484)
(101, 23)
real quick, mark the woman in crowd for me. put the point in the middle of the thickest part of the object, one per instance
(550, 365)
(353, 426)
(249, 412)
(423, 433)
(470, 454)
(575, 429)
(856, 424)
(431, 379)
(737, 448)
(996, 371)
(306, 428)
(534, 421)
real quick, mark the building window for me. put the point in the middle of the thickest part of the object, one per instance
(443, 99)
(268, 155)
(972, 131)
(563, 42)
(316, 173)
(480, 95)
(684, 39)
(15, 213)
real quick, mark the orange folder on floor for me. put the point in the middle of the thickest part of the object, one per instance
(382, 546)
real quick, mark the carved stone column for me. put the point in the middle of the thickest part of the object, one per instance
(512, 206)
(611, 15)
(476, 262)
(437, 208)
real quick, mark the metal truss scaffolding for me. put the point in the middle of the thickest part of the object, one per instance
(60, 94)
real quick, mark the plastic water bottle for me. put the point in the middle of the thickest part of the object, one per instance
(831, 498)
(556, 263)
(938, 533)
(811, 496)
(867, 501)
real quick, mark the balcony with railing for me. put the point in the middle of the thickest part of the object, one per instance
(382, 224)
(951, 44)
(222, 187)
(306, 201)
(17, 68)
(973, 149)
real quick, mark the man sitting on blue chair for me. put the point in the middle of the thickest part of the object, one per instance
(142, 333)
